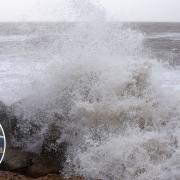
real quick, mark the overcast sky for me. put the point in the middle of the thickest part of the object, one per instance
(59, 10)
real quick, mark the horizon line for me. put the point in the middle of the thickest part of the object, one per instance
(89, 21)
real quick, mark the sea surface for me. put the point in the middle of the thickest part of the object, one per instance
(26, 49)
(116, 87)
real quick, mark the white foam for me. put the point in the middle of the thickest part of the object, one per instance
(119, 108)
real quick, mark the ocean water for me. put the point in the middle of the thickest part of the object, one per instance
(115, 86)
(26, 49)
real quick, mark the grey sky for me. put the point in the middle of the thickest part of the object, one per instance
(58, 10)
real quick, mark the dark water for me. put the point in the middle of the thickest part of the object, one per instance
(163, 39)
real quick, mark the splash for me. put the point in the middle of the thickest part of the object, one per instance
(110, 102)
(86, 10)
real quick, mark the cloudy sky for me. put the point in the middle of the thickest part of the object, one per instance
(60, 10)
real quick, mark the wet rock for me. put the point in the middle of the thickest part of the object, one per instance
(30, 164)
(52, 146)
(15, 160)
(56, 177)
(4, 119)
(52, 152)
(41, 166)
(5, 175)
(12, 176)
(8, 121)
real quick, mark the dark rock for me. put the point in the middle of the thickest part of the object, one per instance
(53, 152)
(56, 177)
(30, 164)
(5, 175)
(42, 166)
(51, 145)
(15, 160)
(12, 176)
(4, 119)
(8, 122)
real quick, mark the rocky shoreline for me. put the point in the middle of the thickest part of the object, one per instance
(5, 175)
(21, 163)
(28, 163)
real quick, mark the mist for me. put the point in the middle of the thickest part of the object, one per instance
(117, 10)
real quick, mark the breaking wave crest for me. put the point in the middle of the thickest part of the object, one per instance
(110, 102)
(115, 110)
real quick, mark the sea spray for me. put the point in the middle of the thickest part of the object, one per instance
(109, 101)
